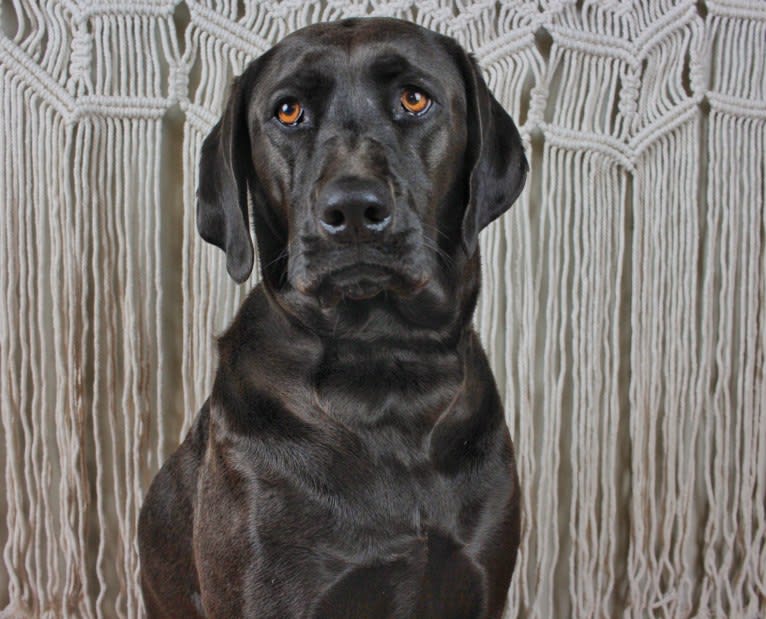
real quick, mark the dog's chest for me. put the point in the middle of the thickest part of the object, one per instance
(380, 417)
(370, 460)
(396, 392)
(356, 501)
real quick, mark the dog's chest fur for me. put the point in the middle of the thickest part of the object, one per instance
(348, 460)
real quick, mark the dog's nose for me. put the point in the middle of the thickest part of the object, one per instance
(355, 209)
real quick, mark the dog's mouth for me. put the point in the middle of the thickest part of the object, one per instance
(358, 272)
(361, 282)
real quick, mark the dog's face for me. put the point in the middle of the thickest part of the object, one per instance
(374, 154)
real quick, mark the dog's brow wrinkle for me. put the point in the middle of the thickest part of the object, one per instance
(305, 79)
(389, 65)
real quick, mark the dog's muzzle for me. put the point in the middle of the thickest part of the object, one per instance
(355, 210)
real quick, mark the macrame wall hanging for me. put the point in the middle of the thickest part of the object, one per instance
(623, 309)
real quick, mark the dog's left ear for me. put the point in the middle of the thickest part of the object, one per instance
(495, 152)
(224, 170)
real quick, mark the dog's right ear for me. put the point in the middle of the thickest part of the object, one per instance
(495, 152)
(224, 170)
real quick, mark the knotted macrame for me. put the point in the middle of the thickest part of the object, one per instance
(623, 306)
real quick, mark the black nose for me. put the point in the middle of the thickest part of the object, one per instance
(354, 209)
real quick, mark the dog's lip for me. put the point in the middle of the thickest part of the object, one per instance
(362, 281)
(361, 270)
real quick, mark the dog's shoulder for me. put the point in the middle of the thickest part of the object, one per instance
(165, 527)
(176, 482)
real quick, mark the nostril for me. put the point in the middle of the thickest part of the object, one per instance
(334, 218)
(376, 217)
(374, 214)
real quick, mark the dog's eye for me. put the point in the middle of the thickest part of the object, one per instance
(415, 101)
(289, 112)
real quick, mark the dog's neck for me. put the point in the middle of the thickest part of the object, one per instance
(441, 312)
(301, 353)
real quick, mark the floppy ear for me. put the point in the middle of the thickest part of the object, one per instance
(224, 170)
(495, 152)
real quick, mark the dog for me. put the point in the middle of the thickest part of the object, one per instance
(352, 460)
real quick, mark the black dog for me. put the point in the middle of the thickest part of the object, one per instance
(352, 460)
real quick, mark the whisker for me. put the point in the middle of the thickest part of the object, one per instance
(283, 254)
(439, 252)
(286, 252)
(436, 229)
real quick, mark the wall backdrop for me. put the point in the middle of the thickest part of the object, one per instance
(623, 309)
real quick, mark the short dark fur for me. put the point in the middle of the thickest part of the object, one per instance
(352, 460)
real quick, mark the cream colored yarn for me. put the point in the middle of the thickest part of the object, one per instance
(623, 309)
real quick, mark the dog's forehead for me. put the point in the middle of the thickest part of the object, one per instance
(358, 44)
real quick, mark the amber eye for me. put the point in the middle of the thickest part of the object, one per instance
(415, 101)
(289, 112)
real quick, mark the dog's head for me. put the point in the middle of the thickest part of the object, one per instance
(373, 152)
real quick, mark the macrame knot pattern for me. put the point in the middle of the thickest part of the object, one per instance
(398, 7)
(537, 100)
(698, 78)
(628, 104)
(282, 10)
(623, 308)
(178, 83)
(82, 53)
